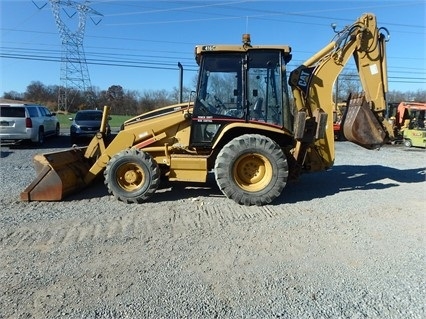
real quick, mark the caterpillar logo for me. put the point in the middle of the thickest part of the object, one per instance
(304, 79)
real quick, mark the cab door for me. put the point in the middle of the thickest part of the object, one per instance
(265, 86)
(220, 96)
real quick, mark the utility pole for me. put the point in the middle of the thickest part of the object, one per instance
(74, 73)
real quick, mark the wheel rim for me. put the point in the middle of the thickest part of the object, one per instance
(130, 176)
(252, 172)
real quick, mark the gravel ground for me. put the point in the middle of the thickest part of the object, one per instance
(347, 243)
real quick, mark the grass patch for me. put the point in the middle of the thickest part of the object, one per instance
(116, 120)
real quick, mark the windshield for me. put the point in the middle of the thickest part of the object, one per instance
(221, 86)
(88, 116)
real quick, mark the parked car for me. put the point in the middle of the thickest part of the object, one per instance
(31, 122)
(86, 123)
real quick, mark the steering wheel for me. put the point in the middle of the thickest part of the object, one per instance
(206, 104)
(220, 104)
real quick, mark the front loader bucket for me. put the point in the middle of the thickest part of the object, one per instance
(58, 174)
(361, 126)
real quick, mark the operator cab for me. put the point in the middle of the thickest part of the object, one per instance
(239, 84)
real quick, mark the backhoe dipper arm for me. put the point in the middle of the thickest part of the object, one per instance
(312, 85)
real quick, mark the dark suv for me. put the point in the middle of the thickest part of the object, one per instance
(32, 122)
(86, 124)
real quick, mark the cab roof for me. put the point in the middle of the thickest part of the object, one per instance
(239, 48)
(243, 47)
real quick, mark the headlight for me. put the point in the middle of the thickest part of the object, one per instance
(75, 128)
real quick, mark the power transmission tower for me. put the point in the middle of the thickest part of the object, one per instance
(74, 74)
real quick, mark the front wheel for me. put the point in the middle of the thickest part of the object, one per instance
(251, 170)
(132, 176)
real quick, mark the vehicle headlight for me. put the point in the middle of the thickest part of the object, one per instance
(75, 128)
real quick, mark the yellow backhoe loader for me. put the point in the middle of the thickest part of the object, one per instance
(241, 125)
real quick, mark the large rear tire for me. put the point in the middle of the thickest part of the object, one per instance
(251, 170)
(132, 176)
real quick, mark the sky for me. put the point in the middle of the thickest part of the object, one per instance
(138, 44)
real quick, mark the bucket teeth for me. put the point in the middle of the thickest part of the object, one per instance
(58, 175)
(46, 187)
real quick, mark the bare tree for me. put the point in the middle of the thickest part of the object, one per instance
(13, 95)
(174, 95)
(347, 83)
(37, 92)
(399, 96)
(135, 102)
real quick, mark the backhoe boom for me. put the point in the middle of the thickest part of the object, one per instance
(312, 84)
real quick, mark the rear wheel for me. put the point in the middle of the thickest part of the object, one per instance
(132, 176)
(40, 136)
(251, 170)
(408, 143)
(57, 130)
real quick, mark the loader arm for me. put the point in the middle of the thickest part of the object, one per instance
(62, 173)
(312, 86)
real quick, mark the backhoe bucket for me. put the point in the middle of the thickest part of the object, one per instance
(361, 126)
(58, 174)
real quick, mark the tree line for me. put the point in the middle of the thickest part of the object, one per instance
(121, 101)
(130, 102)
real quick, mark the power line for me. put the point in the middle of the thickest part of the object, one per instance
(172, 66)
(163, 59)
(261, 14)
(123, 57)
(221, 4)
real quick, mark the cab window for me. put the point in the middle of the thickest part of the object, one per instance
(220, 91)
(264, 91)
